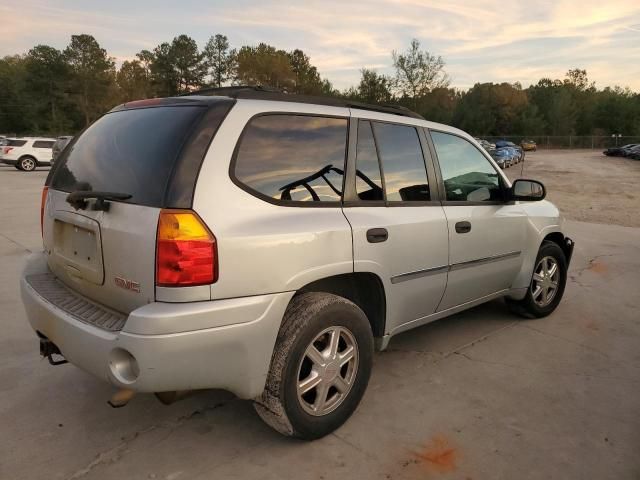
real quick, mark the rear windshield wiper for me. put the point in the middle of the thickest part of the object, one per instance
(78, 199)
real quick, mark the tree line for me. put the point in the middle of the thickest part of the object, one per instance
(51, 91)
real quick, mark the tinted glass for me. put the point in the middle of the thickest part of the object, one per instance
(403, 167)
(368, 183)
(42, 144)
(467, 174)
(128, 151)
(16, 143)
(293, 157)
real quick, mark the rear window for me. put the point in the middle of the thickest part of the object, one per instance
(293, 158)
(128, 151)
(16, 143)
(43, 144)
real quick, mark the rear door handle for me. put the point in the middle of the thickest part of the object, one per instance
(463, 227)
(377, 235)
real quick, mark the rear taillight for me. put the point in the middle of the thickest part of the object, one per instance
(7, 150)
(43, 205)
(186, 253)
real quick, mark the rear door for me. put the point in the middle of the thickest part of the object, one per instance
(486, 234)
(399, 230)
(108, 254)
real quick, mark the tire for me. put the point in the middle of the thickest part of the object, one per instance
(534, 305)
(27, 164)
(308, 323)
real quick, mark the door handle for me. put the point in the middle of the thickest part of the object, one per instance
(377, 235)
(463, 227)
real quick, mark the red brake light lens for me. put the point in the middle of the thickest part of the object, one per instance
(43, 205)
(186, 250)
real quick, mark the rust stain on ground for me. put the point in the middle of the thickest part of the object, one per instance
(439, 454)
(598, 267)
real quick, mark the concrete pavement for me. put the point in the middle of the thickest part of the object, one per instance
(481, 395)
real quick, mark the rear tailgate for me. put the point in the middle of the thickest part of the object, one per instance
(108, 254)
(108, 257)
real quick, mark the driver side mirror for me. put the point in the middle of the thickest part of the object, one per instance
(528, 190)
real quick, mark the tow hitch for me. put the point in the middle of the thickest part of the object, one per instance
(48, 349)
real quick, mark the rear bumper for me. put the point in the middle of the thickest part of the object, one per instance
(8, 161)
(232, 351)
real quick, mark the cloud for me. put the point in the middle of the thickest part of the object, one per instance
(481, 40)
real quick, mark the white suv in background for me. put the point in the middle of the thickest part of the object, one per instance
(265, 243)
(27, 153)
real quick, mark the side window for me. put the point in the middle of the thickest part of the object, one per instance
(467, 174)
(16, 143)
(293, 157)
(403, 167)
(368, 182)
(42, 144)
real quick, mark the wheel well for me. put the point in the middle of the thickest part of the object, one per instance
(557, 238)
(363, 289)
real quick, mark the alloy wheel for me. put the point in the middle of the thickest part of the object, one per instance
(546, 278)
(28, 164)
(327, 371)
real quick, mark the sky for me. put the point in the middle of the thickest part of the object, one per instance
(480, 40)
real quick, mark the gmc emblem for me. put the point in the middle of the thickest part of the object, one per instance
(127, 284)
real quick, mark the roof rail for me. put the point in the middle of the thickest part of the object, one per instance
(270, 93)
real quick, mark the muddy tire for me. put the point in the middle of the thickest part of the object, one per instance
(547, 283)
(320, 366)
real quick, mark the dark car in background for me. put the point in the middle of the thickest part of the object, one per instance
(633, 153)
(58, 147)
(621, 151)
(504, 157)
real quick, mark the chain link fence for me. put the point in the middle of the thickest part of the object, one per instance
(570, 141)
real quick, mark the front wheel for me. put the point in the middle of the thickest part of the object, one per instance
(547, 283)
(320, 366)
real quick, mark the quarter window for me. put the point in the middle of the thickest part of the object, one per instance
(293, 157)
(42, 144)
(368, 182)
(467, 174)
(403, 167)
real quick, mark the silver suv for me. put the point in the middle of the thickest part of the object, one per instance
(266, 244)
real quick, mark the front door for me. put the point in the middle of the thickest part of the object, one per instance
(486, 234)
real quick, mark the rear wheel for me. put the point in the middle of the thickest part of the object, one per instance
(320, 366)
(27, 164)
(547, 283)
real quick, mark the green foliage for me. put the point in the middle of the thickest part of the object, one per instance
(418, 72)
(48, 91)
(218, 59)
(92, 79)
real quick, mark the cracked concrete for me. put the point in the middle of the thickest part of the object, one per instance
(481, 394)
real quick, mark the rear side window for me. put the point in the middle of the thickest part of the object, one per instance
(16, 143)
(128, 151)
(368, 181)
(296, 158)
(403, 167)
(42, 144)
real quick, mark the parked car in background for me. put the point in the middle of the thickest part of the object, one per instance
(633, 153)
(503, 157)
(528, 145)
(619, 151)
(3, 141)
(518, 153)
(58, 147)
(175, 258)
(488, 146)
(27, 153)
